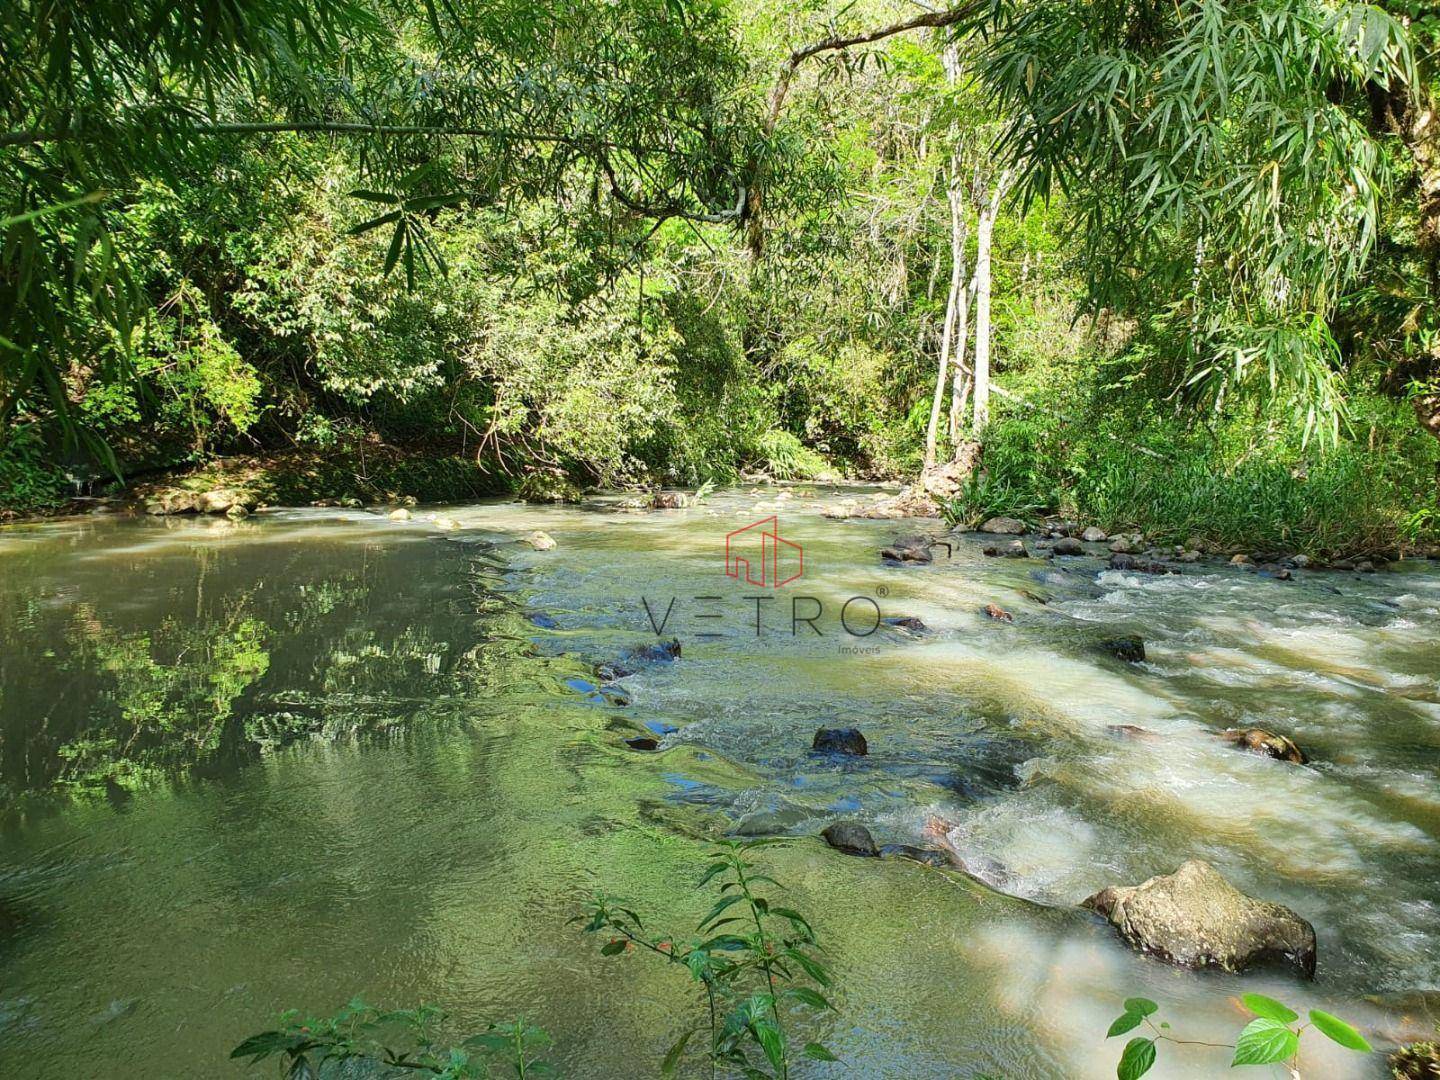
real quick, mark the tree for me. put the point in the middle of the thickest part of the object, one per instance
(1216, 156)
(439, 103)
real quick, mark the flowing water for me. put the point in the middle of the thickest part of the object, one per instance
(277, 763)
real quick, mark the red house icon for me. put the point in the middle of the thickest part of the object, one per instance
(759, 548)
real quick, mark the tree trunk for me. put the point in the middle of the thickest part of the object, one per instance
(960, 299)
(947, 337)
(984, 232)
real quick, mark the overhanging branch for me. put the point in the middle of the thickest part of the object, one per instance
(836, 43)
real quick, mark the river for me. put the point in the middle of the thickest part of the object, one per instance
(318, 753)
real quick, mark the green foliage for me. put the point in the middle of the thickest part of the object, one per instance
(1252, 481)
(756, 960)
(402, 1039)
(29, 479)
(1219, 165)
(1265, 1040)
(785, 457)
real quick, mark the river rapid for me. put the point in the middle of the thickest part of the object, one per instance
(317, 753)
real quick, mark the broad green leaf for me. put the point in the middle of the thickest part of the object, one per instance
(610, 948)
(808, 997)
(1135, 1062)
(1140, 1006)
(1127, 1021)
(375, 223)
(1337, 1030)
(1269, 1008)
(816, 1052)
(1264, 1041)
(673, 1055)
(772, 1041)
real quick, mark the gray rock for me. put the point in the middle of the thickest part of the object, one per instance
(540, 540)
(1093, 535)
(852, 838)
(1068, 545)
(1197, 919)
(1005, 526)
(669, 500)
(400, 514)
(1139, 565)
(1122, 546)
(1015, 549)
(1365, 566)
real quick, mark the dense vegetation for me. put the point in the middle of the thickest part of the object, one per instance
(648, 242)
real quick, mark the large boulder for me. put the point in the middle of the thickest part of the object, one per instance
(852, 838)
(1003, 526)
(1197, 919)
(1068, 545)
(1260, 741)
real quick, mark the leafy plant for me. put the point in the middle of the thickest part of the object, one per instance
(1268, 1039)
(756, 961)
(399, 1039)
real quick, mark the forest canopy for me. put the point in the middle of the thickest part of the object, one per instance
(660, 241)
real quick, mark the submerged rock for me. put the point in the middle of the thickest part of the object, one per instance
(642, 742)
(400, 514)
(1196, 919)
(1068, 545)
(669, 500)
(1004, 526)
(658, 652)
(909, 549)
(996, 612)
(1261, 741)
(928, 856)
(1127, 647)
(539, 539)
(840, 741)
(906, 622)
(852, 838)
(1132, 731)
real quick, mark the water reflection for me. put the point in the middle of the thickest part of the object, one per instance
(272, 764)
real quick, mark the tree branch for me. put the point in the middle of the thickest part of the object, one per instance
(836, 43)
